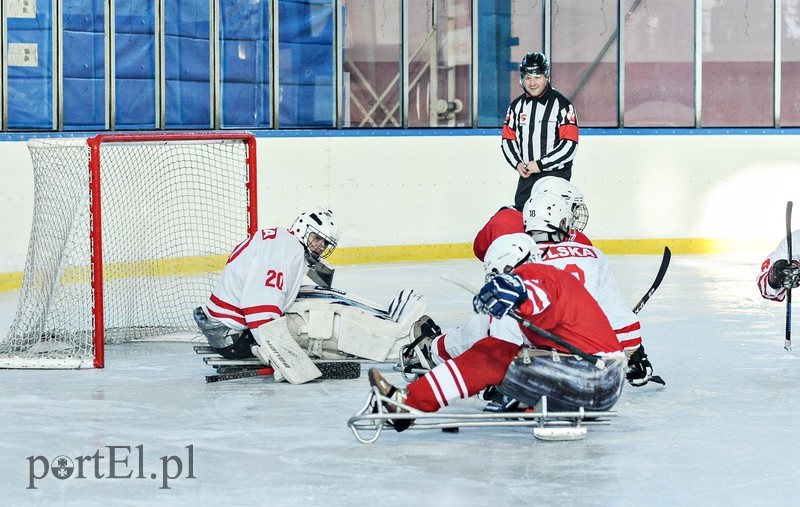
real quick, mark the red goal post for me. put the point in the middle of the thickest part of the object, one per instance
(129, 234)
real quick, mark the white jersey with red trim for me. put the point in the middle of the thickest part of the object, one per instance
(782, 252)
(260, 281)
(590, 265)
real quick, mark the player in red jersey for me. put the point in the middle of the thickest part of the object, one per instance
(508, 220)
(549, 216)
(547, 297)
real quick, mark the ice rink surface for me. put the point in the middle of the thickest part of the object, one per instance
(724, 431)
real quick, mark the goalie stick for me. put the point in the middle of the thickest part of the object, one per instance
(243, 373)
(331, 370)
(787, 344)
(595, 360)
(662, 270)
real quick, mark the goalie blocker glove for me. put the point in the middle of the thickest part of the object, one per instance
(640, 371)
(784, 275)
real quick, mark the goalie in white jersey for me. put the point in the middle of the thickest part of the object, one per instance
(261, 289)
(262, 279)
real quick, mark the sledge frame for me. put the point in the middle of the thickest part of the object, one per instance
(369, 422)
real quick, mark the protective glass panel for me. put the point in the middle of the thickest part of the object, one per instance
(440, 48)
(737, 64)
(790, 63)
(29, 64)
(584, 59)
(659, 63)
(83, 64)
(135, 64)
(244, 63)
(187, 68)
(306, 63)
(372, 65)
(506, 32)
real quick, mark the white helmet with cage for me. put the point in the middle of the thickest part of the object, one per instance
(317, 230)
(509, 251)
(547, 217)
(570, 192)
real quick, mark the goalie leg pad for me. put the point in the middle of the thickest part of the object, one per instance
(342, 326)
(569, 383)
(406, 308)
(285, 355)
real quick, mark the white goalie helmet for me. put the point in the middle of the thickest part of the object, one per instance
(547, 217)
(324, 227)
(509, 251)
(570, 192)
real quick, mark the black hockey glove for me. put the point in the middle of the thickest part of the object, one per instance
(784, 275)
(640, 371)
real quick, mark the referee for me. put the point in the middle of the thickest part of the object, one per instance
(540, 133)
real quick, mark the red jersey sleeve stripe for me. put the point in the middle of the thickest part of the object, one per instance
(508, 133)
(225, 305)
(568, 131)
(239, 249)
(250, 310)
(226, 316)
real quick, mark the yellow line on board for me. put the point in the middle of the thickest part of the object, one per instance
(358, 255)
(398, 253)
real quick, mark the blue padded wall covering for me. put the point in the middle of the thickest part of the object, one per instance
(135, 65)
(188, 75)
(30, 89)
(83, 64)
(306, 63)
(244, 65)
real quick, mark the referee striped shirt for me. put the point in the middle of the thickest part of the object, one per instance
(543, 129)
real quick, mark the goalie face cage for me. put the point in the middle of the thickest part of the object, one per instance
(129, 235)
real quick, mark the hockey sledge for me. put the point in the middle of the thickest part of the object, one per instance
(410, 373)
(369, 422)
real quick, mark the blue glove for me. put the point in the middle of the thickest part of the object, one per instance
(500, 295)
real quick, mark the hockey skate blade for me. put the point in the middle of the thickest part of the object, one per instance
(560, 433)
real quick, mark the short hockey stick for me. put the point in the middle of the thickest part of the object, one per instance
(245, 373)
(662, 270)
(787, 344)
(331, 370)
(599, 363)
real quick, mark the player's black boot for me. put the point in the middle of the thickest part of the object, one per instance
(416, 356)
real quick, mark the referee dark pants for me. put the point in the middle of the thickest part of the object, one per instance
(525, 185)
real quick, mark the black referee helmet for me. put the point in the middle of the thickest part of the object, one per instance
(534, 63)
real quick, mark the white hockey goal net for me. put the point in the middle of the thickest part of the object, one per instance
(129, 234)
